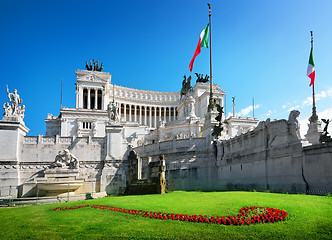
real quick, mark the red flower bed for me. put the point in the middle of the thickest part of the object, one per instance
(247, 215)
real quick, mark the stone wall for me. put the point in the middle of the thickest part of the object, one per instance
(28, 157)
(188, 162)
(317, 168)
(38, 152)
(154, 183)
(270, 157)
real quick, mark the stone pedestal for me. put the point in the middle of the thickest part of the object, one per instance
(113, 177)
(187, 108)
(11, 140)
(314, 132)
(58, 181)
(114, 142)
(209, 123)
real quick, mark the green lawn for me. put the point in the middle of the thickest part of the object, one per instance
(309, 217)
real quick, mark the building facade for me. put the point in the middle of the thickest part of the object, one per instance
(108, 122)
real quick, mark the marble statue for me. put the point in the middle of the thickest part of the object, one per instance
(21, 110)
(292, 120)
(112, 110)
(7, 109)
(15, 99)
(12, 108)
(65, 158)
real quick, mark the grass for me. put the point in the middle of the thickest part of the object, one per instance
(309, 217)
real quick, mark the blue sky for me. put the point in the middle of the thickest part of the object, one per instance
(260, 49)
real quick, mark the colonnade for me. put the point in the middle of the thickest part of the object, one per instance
(147, 115)
(92, 98)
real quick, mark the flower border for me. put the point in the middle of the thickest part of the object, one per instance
(247, 215)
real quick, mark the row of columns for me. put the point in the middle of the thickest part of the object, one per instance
(86, 98)
(143, 114)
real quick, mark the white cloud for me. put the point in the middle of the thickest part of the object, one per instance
(293, 108)
(244, 112)
(268, 113)
(318, 96)
(307, 102)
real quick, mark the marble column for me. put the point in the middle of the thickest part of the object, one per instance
(130, 113)
(96, 98)
(150, 116)
(145, 115)
(89, 103)
(77, 97)
(125, 112)
(155, 117)
(102, 99)
(80, 98)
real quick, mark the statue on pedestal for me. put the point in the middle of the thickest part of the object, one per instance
(12, 108)
(112, 110)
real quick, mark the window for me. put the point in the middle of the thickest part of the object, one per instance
(87, 125)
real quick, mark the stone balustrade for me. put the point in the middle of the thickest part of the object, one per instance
(174, 146)
(29, 140)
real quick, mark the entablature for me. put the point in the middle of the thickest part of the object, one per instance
(93, 76)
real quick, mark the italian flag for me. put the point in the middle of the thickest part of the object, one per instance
(311, 68)
(202, 42)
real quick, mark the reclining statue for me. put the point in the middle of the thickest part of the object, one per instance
(65, 158)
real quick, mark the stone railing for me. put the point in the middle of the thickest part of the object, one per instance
(145, 95)
(174, 146)
(62, 140)
(272, 136)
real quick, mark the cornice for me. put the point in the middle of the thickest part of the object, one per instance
(92, 76)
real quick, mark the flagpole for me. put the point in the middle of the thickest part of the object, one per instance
(61, 94)
(314, 116)
(253, 107)
(211, 103)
